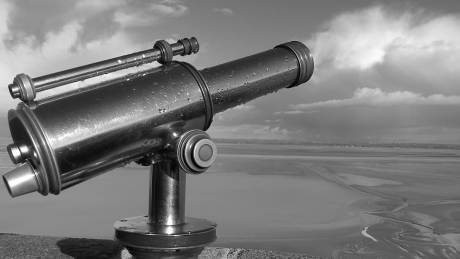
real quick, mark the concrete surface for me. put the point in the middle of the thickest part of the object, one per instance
(27, 247)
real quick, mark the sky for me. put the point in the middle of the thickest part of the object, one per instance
(385, 71)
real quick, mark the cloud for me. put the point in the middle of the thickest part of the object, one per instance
(377, 97)
(47, 48)
(271, 130)
(149, 15)
(168, 8)
(225, 11)
(33, 23)
(251, 131)
(392, 73)
(244, 107)
(97, 6)
(290, 112)
(272, 121)
(387, 48)
(364, 38)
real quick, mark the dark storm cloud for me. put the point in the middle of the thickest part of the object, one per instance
(32, 22)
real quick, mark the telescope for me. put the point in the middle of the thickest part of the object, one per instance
(156, 117)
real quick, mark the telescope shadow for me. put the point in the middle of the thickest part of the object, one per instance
(84, 248)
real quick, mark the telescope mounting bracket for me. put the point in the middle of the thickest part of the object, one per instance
(165, 232)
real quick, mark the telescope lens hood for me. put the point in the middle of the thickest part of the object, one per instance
(304, 59)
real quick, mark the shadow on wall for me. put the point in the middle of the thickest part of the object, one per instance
(82, 248)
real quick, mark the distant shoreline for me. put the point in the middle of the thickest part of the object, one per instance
(7, 141)
(337, 144)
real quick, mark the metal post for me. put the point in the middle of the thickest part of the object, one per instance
(167, 194)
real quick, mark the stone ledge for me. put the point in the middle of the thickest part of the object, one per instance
(28, 247)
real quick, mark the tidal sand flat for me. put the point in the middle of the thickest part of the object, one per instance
(331, 201)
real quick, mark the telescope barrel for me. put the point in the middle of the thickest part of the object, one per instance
(26, 88)
(245, 79)
(72, 137)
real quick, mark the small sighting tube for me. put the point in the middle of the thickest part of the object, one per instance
(26, 89)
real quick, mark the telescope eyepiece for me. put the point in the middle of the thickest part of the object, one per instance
(14, 91)
(22, 180)
(190, 46)
(18, 152)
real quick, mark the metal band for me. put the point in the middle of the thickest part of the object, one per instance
(166, 51)
(304, 61)
(195, 45)
(49, 164)
(26, 87)
(184, 151)
(14, 91)
(136, 232)
(187, 46)
(204, 91)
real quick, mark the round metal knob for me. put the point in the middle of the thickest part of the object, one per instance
(204, 153)
(195, 151)
(23, 88)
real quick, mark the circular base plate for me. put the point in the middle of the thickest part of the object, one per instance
(144, 240)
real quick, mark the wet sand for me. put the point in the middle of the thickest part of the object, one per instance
(329, 201)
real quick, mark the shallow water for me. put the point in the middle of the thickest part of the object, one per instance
(331, 201)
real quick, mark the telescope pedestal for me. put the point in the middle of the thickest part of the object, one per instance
(145, 241)
(165, 232)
